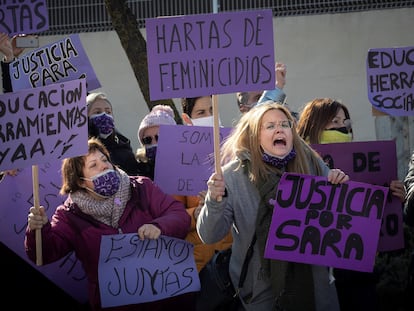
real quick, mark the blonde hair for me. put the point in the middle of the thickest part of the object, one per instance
(93, 97)
(245, 138)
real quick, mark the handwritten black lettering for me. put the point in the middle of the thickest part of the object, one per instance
(252, 29)
(185, 184)
(196, 36)
(361, 198)
(24, 16)
(318, 243)
(190, 159)
(387, 59)
(176, 250)
(391, 79)
(402, 102)
(201, 73)
(366, 162)
(71, 264)
(53, 63)
(134, 281)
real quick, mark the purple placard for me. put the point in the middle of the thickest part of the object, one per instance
(16, 194)
(23, 16)
(205, 54)
(316, 222)
(373, 162)
(134, 271)
(43, 124)
(185, 158)
(61, 61)
(390, 80)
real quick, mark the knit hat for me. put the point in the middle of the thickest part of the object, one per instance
(159, 115)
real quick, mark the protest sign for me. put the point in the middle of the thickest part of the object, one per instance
(61, 61)
(373, 162)
(390, 80)
(185, 158)
(23, 16)
(205, 54)
(135, 271)
(316, 222)
(16, 200)
(43, 124)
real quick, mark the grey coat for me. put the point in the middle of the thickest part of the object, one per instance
(238, 211)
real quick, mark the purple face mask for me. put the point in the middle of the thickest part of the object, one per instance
(151, 152)
(104, 123)
(106, 183)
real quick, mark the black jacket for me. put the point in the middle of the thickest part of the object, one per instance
(5, 73)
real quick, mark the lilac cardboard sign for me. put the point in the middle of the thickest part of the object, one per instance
(205, 54)
(316, 222)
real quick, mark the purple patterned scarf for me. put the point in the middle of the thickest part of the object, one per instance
(278, 162)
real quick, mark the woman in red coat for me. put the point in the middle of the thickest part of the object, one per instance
(104, 200)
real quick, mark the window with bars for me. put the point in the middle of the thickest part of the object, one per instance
(75, 16)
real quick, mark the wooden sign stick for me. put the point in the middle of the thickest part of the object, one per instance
(35, 180)
(216, 133)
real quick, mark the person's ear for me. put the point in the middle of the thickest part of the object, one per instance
(186, 119)
(82, 183)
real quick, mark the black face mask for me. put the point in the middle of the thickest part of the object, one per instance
(343, 129)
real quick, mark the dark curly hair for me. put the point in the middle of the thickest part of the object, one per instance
(187, 104)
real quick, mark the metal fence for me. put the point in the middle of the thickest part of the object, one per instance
(76, 16)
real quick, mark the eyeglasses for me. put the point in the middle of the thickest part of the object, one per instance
(285, 124)
(147, 140)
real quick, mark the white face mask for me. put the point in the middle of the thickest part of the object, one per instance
(205, 121)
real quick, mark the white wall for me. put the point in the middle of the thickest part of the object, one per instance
(325, 57)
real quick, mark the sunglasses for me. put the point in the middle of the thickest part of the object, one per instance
(147, 140)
